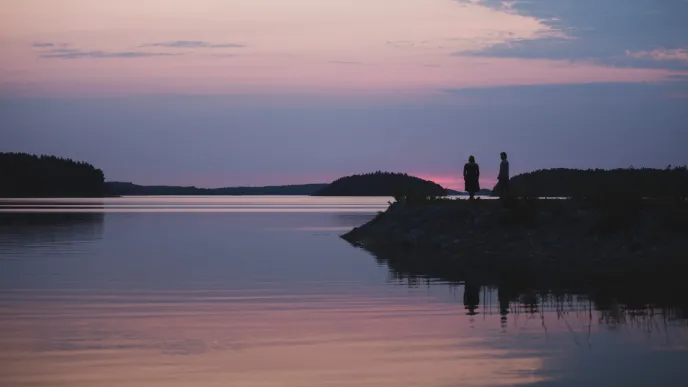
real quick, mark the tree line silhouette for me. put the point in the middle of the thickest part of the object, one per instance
(130, 189)
(25, 175)
(382, 184)
(591, 183)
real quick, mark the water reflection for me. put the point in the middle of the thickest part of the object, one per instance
(616, 325)
(261, 338)
(618, 302)
(41, 230)
(200, 204)
(260, 298)
(596, 335)
(244, 339)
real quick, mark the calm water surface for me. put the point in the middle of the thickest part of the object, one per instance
(261, 291)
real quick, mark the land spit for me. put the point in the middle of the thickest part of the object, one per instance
(549, 243)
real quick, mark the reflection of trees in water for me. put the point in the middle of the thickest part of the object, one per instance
(41, 228)
(649, 305)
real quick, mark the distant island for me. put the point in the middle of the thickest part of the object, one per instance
(563, 182)
(130, 189)
(372, 184)
(382, 184)
(25, 175)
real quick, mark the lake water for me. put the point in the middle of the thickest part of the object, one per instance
(261, 291)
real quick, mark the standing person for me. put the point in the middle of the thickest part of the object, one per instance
(503, 177)
(471, 173)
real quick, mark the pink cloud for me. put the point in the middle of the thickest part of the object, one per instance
(288, 50)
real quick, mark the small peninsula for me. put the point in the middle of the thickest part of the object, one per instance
(552, 242)
(586, 241)
(382, 184)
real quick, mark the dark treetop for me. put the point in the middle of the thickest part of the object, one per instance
(382, 184)
(25, 175)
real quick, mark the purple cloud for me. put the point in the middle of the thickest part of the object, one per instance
(193, 44)
(43, 45)
(68, 53)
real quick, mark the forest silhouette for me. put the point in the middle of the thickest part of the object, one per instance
(25, 175)
(594, 183)
(130, 189)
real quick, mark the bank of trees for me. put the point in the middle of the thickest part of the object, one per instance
(26, 175)
(639, 182)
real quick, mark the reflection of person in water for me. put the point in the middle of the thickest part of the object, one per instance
(471, 174)
(471, 297)
(503, 298)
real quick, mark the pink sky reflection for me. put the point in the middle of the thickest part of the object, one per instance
(255, 342)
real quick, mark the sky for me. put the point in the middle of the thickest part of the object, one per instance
(219, 93)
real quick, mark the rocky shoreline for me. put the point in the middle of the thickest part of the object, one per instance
(554, 243)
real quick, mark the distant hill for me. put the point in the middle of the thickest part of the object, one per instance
(562, 182)
(382, 184)
(26, 175)
(130, 189)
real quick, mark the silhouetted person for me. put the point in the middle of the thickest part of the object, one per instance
(471, 173)
(503, 178)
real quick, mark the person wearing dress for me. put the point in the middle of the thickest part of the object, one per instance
(471, 174)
